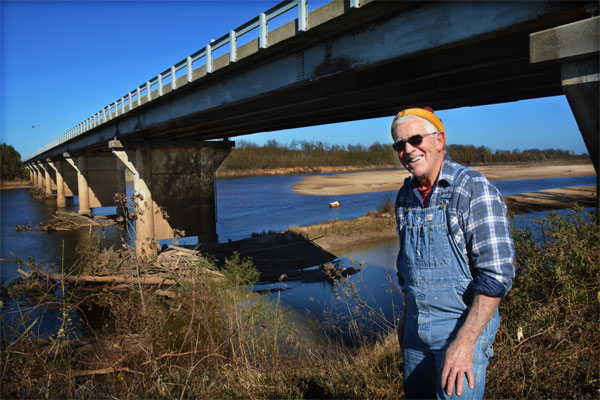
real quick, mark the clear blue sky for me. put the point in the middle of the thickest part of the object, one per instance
(63, 61)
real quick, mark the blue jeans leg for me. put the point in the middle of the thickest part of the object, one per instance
(420, 374)
(481, 354)
(423, 367)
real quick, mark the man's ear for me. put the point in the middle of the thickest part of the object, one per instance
(440, 140)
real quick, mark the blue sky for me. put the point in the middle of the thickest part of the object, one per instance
(63, 61)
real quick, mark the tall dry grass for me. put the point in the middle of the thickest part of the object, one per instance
(215, 339)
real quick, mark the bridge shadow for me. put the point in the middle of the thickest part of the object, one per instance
(290, 255)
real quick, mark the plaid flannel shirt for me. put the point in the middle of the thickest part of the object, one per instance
(477, 221)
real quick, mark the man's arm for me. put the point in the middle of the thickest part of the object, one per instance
(488, 241)
(458, 359)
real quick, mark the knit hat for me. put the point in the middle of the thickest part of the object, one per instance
(426, 113)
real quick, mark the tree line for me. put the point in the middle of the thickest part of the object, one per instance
(247, 155)
(11, 165)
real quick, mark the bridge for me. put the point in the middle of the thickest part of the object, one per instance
(344, 61)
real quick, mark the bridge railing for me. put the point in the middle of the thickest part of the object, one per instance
(144, 93)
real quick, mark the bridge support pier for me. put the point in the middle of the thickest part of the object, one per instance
(45, 180)
(57, 166)
(34, 177)
(48, 179)
(83, 189)
(41, 176)
(174, 190)
(97, 181)
(581, 83)
(577, 47)
(31, 182)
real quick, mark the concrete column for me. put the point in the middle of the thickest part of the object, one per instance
(581, 83)
(121, 185)
(144, 205)
(61, 201)
(576, 46)
(82, 186)
(183, 185)
(69, 175)
(40, 176)
(30, 174)
(49, 179)
(174, 190)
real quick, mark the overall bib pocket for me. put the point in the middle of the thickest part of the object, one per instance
(431, 248)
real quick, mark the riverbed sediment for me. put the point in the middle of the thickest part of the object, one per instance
(335, 235)
(382, 181)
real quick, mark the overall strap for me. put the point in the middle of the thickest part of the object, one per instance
(446, 196)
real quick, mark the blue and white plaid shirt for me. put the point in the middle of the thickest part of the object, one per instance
(478, 222)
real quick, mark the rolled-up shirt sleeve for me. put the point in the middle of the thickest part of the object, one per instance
(488, 239)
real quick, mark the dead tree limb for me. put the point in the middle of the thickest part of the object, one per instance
(150, 280)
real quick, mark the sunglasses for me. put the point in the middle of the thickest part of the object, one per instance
(414, 141)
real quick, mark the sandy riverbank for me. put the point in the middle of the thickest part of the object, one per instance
(381, 181)
(7, 185)
(340, 234)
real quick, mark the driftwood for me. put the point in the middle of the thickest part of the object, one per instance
(105, 371)
(66, 222)
(151, 280)
(184, 250)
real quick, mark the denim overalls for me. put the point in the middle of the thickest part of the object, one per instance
(437, 296)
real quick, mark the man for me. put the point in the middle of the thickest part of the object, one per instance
(454, 265)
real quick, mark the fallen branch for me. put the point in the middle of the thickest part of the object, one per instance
(184, 250)
(93, 279)
(105, 371)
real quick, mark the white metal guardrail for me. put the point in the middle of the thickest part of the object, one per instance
(125, 103)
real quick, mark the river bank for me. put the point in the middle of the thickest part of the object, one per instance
(8, 185)
(329, 169)
(335, 235)
(241, 173)
(381, 181)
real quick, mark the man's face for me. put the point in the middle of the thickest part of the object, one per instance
(425, 160)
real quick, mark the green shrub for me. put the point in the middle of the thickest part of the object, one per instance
(547, 346)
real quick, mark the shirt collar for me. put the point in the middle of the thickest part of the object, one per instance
(446, 176)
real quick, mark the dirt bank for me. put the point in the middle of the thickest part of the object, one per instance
(7, 185)
(238, 173)
(381, 181)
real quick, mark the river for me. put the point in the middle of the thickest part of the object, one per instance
(244, 206)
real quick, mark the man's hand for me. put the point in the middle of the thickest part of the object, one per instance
(458, 360)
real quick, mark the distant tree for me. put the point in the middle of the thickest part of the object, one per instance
(272, 144)
(12, 167)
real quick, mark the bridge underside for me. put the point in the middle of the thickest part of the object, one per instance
(364, 63)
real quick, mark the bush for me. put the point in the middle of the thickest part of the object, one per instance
(547, 345)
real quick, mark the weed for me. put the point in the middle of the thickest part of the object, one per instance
(547, 343)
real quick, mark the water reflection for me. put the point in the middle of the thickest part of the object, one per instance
(369, 299)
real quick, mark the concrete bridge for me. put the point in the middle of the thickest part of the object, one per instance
(343, 61)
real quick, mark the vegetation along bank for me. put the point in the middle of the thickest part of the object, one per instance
(248, 159)
(195, 331)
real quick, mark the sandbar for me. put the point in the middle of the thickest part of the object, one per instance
(386, 180)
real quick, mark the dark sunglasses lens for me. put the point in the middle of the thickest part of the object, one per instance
(413, 140)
